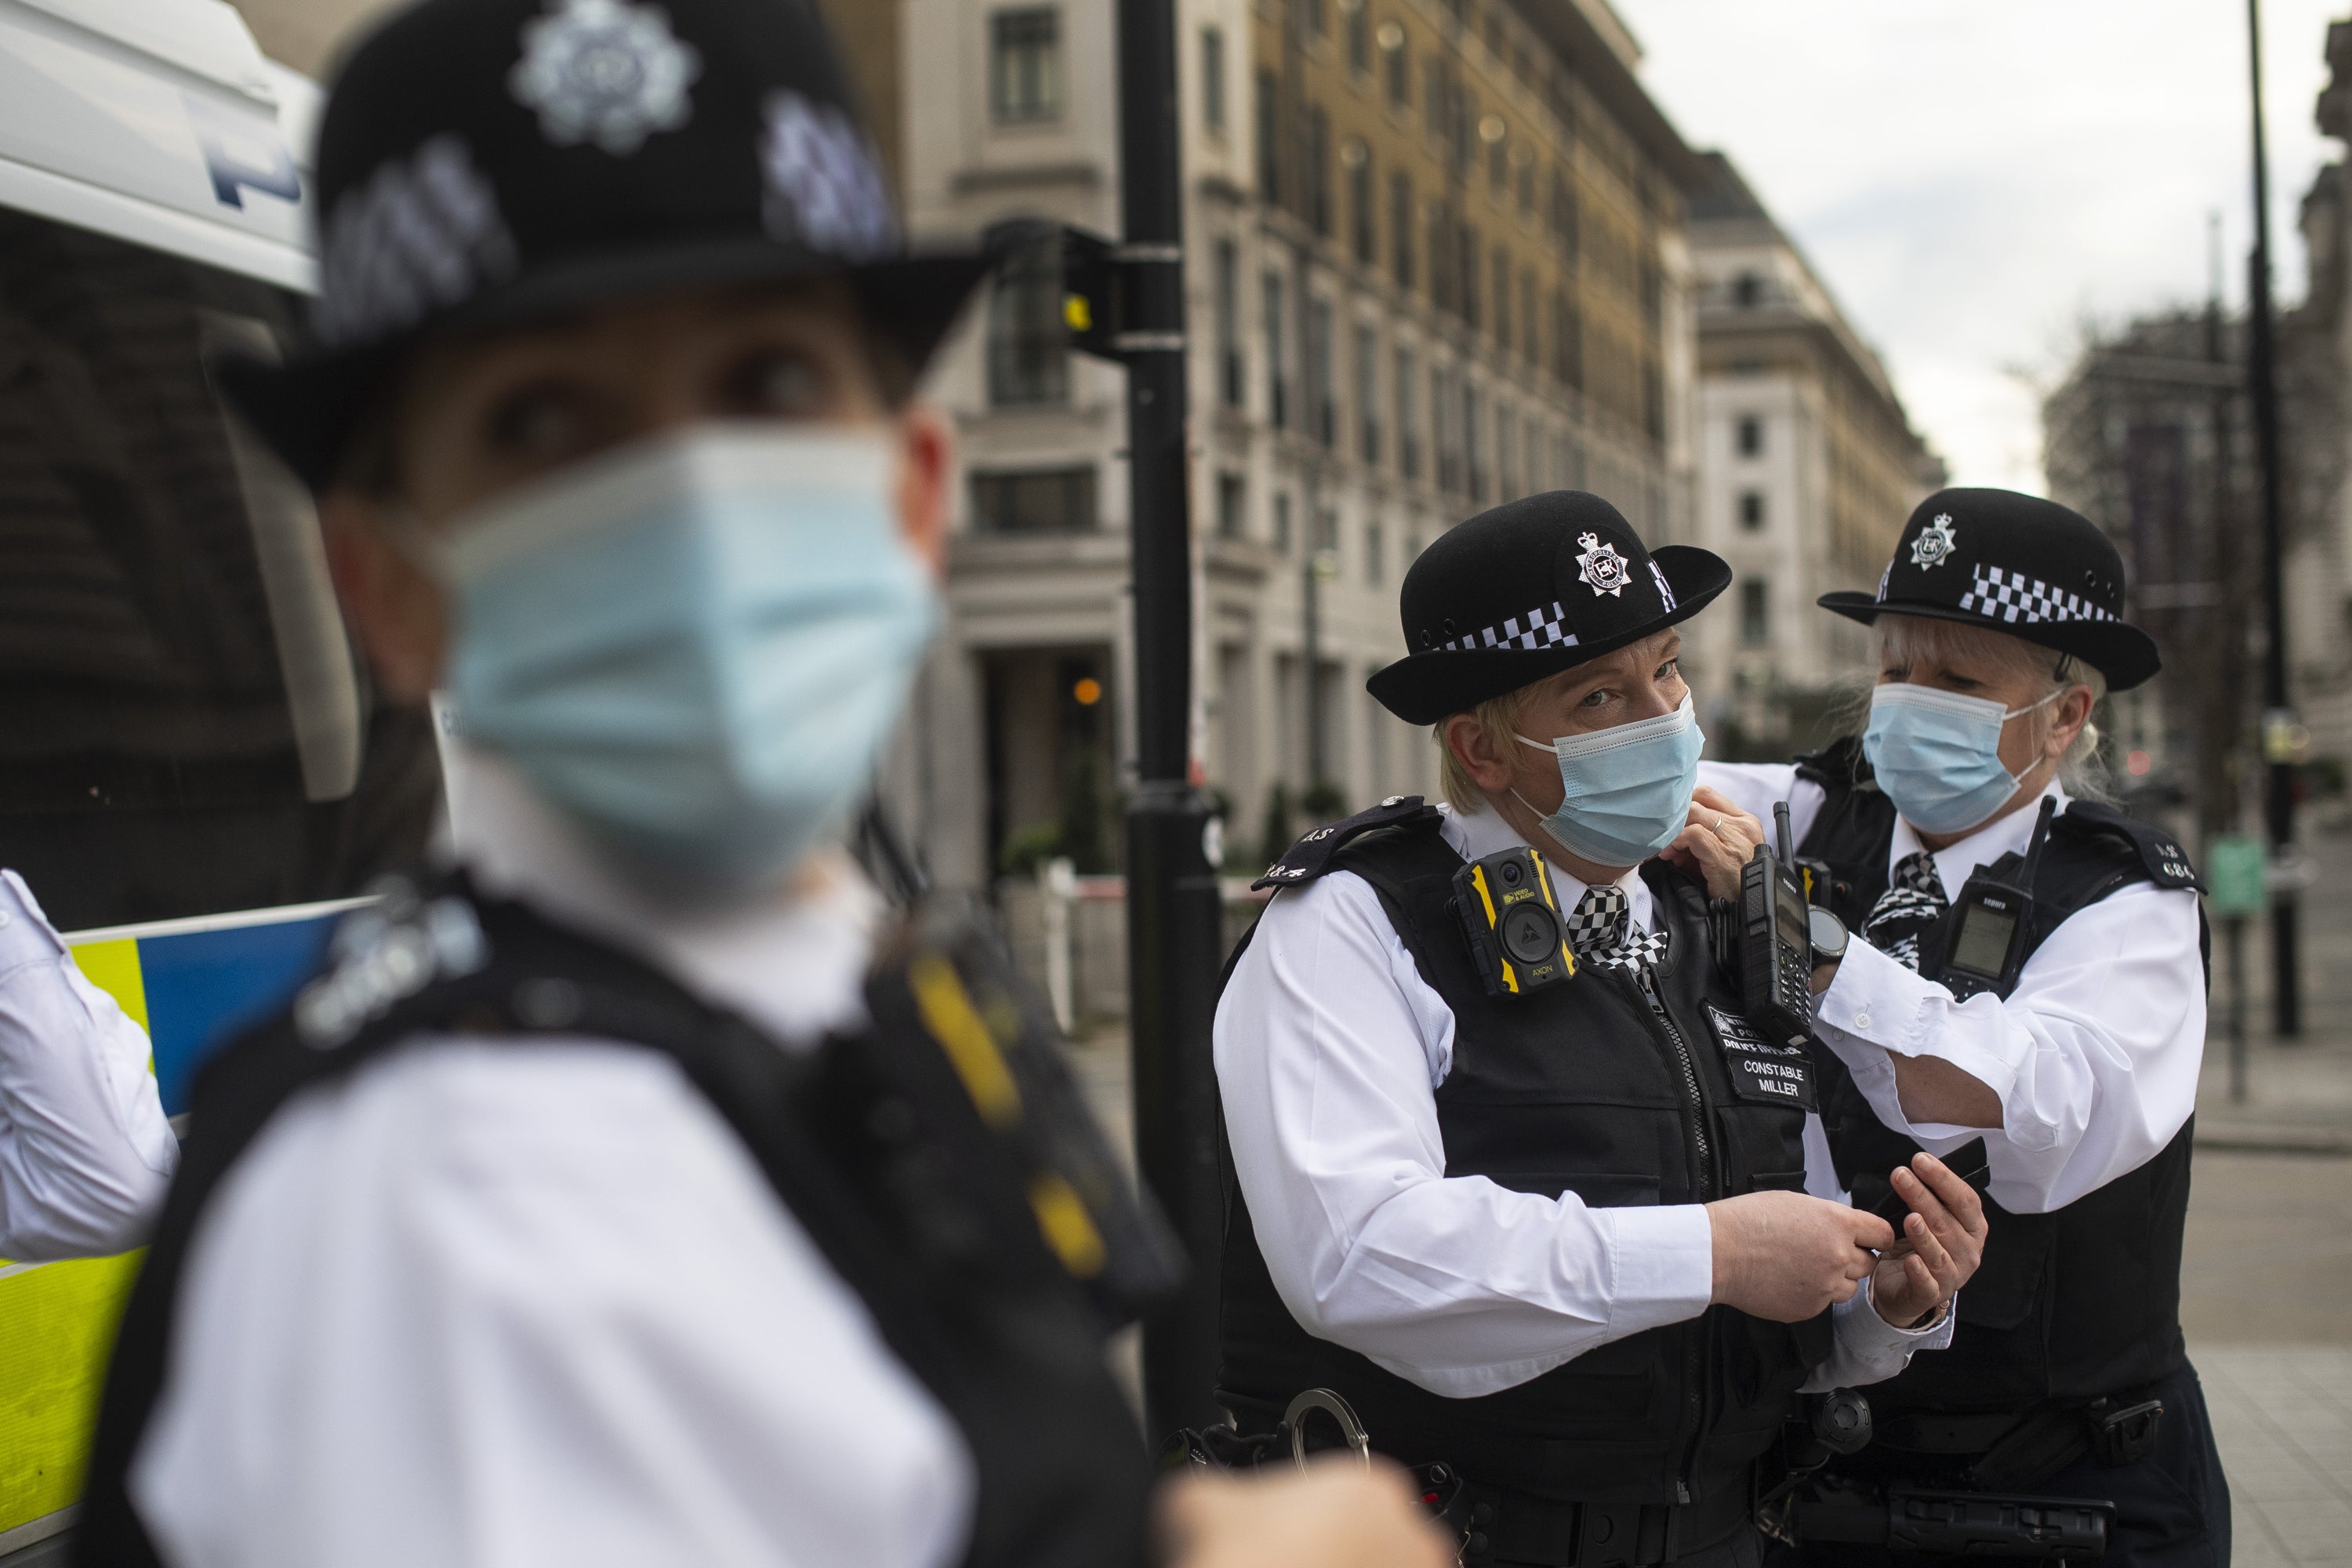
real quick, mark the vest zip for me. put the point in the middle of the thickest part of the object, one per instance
(1696, 1338)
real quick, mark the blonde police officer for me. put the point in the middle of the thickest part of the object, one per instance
(637, 1193)
(2065, 1031)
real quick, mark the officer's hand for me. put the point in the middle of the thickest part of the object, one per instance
(1786, 1256)
(1720, 838)
(1942, 1243)
(1336, 1515)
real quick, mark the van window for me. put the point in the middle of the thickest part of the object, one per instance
(184, 726)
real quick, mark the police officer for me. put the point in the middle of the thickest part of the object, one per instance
(640, 1192)
(2072, 1043)
(85, 1152)
(1580, 1244)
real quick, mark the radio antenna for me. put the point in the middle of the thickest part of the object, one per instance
(2041, 833)
(1780, 826)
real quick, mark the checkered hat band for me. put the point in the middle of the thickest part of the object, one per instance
(2004, 595)
(1539, 628)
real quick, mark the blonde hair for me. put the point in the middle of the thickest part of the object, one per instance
(1500, 717)
(1908, 639)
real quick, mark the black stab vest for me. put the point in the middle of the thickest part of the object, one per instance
(873, 1142)
(2066, 1306)
(1576, 1088)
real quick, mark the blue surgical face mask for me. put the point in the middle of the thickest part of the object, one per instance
(697, 647)
(1936, 754)
(1628, 789)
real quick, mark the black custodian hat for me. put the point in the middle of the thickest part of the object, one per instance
(1530, 588)
(2013, 563)
(488, 161)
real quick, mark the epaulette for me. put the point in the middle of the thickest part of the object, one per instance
(1311, 856)
(2168, 864)
(1838, 765)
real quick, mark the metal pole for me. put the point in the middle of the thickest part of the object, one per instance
(2262, 371)
(1174, 940)
(1310, 586)
(2233, 933)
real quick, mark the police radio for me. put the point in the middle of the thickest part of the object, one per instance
(1776, 942)
(1986, 934)
(1517, 935)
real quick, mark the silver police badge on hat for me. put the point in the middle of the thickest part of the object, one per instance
(1601, 567)
(1934, 545)
(603, 72)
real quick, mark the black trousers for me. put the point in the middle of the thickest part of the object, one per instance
(1743, 1549)
(2172, 1508)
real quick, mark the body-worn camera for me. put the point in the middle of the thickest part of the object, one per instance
(1517, 935)
(1985, 934)
(1775, 942)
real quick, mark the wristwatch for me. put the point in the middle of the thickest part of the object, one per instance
(1827, 934)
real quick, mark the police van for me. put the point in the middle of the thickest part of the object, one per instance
(194, 774)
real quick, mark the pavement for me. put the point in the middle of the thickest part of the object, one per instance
(2266, 1275)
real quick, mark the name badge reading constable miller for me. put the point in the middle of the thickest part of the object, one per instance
(1760, 1071)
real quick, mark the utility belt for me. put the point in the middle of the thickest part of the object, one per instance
(1489, 1524)
(1961, 1484)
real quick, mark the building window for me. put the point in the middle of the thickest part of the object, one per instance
(1563, 217)
(1400, 228)
(1327, 529)
(1751, 435)
(1466, 277)
(1524, 162)
(1277, 363)
(1025, 65)
(1502, 300)
(1473, 464)
(1747, 290)
(1233, 507)
(1227, 268)
(1363, 220)
(1317, 156)
(1322, 395)
(1507, 466)
(1442, 409)
(1400, 67)
(1028, 344)
(1408, 426)
(1313, 11)
(1440, 251)
(1282, 523)
(1433, 107)
(1498, 156)
(1531, 321)
(1372, 553)
(1035, 500)
(1751, 509)
(1359, 37)
(1367, 392)
(1412, 549)
(1212, 78)
(1269, 137)
(1567, 341)
(1755, 612)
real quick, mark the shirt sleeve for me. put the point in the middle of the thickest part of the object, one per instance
(494, 1307)
(1755, 786)
(85, 1151)
(2093, 1056)
(1329, 1045)
(1868, 1349)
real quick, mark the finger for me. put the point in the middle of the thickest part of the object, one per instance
(1925, 1204)
(1869, 1231)
(1928, 1248)
(1924, 1284)
(1957, 1195)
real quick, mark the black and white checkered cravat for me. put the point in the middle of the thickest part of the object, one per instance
(1601, 931)
(1913, 901)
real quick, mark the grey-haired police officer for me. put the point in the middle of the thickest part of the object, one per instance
(1580, 1242)
(638, 1193)
(2063, 1024)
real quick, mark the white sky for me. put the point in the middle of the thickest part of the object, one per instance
(1973, 177)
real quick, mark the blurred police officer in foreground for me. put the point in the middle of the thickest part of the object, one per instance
(637, 1195)
(1567, 1241)
(1998, 632)
(85, 1152)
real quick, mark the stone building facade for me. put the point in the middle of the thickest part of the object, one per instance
(1808, 467)
(1436, 256)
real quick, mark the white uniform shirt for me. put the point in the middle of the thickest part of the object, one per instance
(2093, 1056)
(1329, 1047)
(483, 1304)
(85, 1152)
